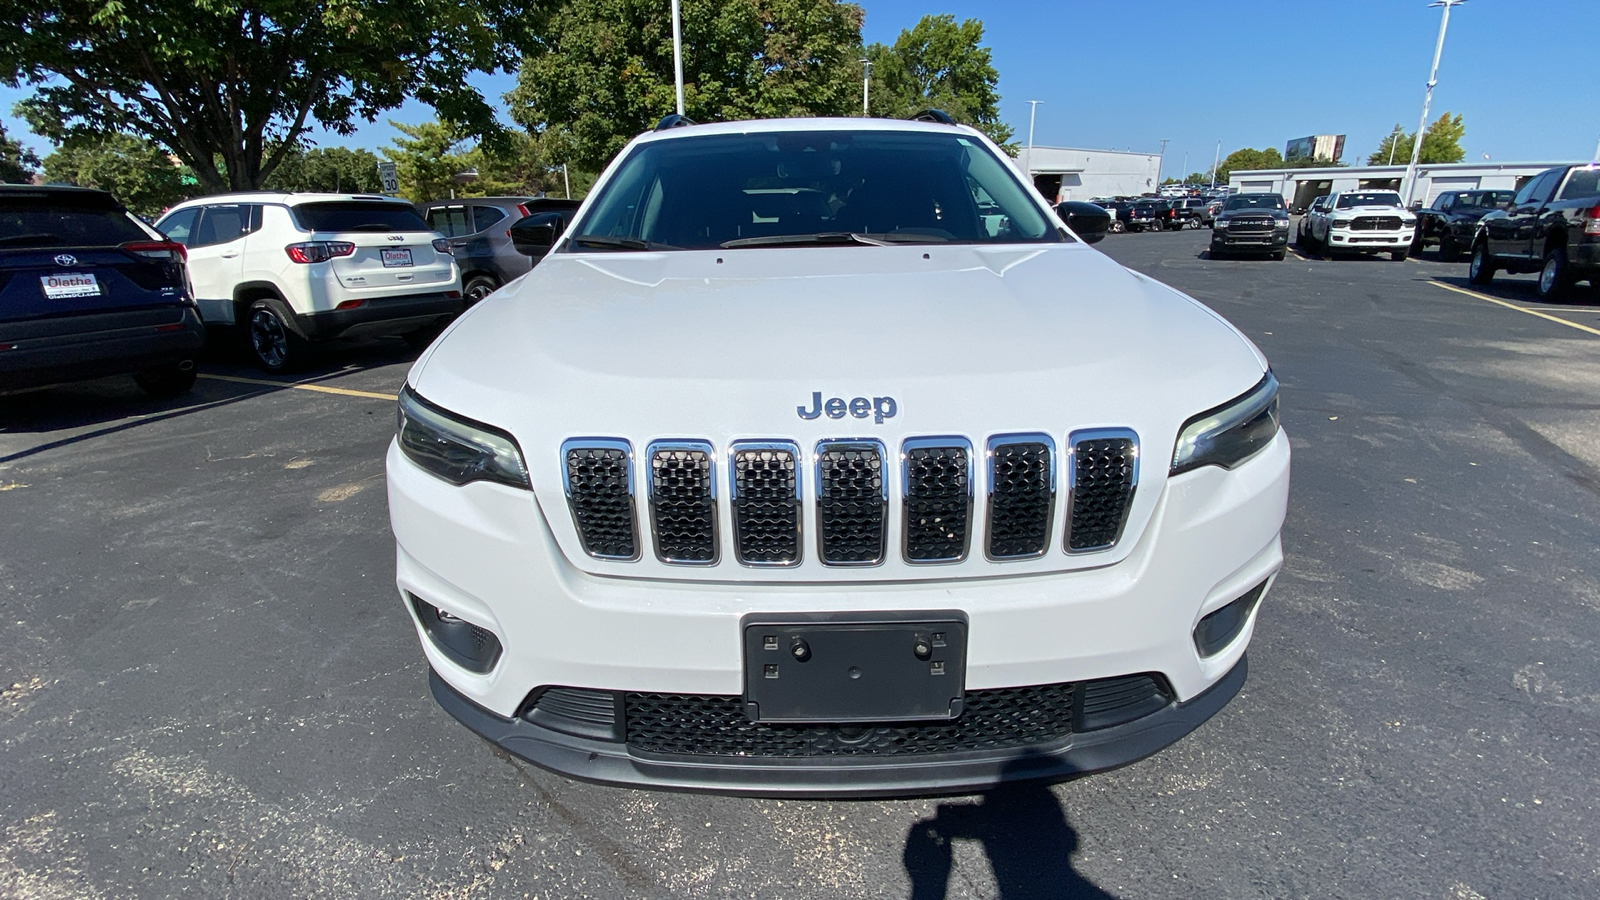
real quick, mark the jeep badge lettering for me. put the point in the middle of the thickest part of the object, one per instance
(879, 408)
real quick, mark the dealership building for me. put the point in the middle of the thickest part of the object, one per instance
(1068, 173)
(1301, 186)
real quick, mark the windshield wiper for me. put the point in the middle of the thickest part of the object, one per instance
(35, 239)
(370, 226)
(618, 243)
(817, 237)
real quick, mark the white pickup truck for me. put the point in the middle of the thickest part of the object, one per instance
(1361, 222)
(820, 457)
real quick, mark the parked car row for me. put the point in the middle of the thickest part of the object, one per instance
(88, 290)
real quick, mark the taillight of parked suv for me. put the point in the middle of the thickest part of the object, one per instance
(443, 246)
(318, 251)
(157, 250)
(1593, 225)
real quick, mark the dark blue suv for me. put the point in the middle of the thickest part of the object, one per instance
(87, 290)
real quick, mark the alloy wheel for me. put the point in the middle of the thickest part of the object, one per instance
(268, 338)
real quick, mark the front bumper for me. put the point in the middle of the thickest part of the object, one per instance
(1370, 240)
(382, 315)
(610, 762)
(1259, 240)
(485, 553)
(74, 348)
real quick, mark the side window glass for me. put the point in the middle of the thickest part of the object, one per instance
(484, 217)
(179, 226)
(1447, 201)
(255, 218)
(450, 221)
(439, 220)
(221, 224)
(1525, 195)
(1583, 183)
(1545, 186)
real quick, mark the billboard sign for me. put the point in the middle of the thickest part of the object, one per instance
(1318, 146)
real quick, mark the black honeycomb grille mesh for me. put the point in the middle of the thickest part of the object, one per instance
(682, 508)
(1021, 504)
(1101, 493)
(715, 725)
(1376, 223)
(766, 510)
(938, 503)
(597, 484)
(851, 511)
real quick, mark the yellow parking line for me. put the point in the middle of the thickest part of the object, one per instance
(319, 388)
(1521, 309)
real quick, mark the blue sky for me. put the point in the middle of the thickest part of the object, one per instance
(1249, 73)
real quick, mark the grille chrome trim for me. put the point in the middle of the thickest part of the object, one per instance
(906, 485)
(998, 442)
(737, 448)
(1073, 441)
(653, 502)
(597, 443)
(824, 447)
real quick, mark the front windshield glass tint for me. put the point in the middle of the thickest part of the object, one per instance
(1368, 198)
(1486, 199)
(1263, 201)
(695, 193)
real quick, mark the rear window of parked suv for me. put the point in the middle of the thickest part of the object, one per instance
(1583, 183)
(54, 220)
(359, 215)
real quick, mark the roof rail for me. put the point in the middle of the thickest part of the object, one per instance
(674, 120)
(934, 115)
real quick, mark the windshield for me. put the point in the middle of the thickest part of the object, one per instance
(1489, 199)
(60, 220)
(1254, 201)
(1367, 198)
(811, 187)
(359, 215)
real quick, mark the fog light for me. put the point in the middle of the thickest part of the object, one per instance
(1218, 629)
(463, 643)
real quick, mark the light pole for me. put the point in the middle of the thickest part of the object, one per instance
(1427, 97)
(1033, 107)
(1216, 161)
(1161, 162)
(1394, 141)
(866, 86)
(677, 53)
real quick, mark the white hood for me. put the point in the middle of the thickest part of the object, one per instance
(729, 345)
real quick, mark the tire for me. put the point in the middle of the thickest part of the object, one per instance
(1555, 278)
(169, 380)
(479, 287)
(1449, 250)
(273, 340)
(1218, 254)
(1398, 255)
(1279, 254)
(1117, 227)
(1480, 269)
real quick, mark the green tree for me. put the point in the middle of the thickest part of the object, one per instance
(1248, 159)
(1441, 143)
(240, 81)
(427, 158)
(337, 169)
(17, 163)
(939, 64)
(430, 156)
(138, 172)
(600, 71)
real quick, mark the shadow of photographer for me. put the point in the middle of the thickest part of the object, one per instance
(1024, 833)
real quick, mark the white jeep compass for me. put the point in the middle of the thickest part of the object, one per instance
(820, 458)
(291, 269)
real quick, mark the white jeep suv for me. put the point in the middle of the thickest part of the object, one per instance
(819, 457)
(297, 268)
(1362, 222)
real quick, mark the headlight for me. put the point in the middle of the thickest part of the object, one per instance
(1341, 223)
(1231, 433)
(1280, 223)
(1220, 223)
(455, 449)
(1408, 222)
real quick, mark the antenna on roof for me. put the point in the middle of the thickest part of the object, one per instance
(934, 115)
(674, 120)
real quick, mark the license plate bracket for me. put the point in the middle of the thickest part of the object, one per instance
(393, 258)
(67, 285)
(854, 667)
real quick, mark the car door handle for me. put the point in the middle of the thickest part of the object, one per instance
(232, 254)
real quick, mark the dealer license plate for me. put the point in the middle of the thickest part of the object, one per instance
(393, 258)
(882, 667)
(69, 284)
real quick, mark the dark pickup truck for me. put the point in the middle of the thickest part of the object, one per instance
(1552, 227)
(1452, 220)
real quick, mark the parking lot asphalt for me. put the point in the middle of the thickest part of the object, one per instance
(209, 688)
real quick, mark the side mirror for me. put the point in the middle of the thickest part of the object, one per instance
(534, 235)
(1086, 220)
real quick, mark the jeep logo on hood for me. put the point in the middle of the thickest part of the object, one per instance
(879, 408)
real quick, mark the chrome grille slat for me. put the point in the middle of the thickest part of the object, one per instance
(683, 502)
(1102, 474)
(936, 499)
(764, 481)
(852, 503)
(599, 487)
(1022, 495)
